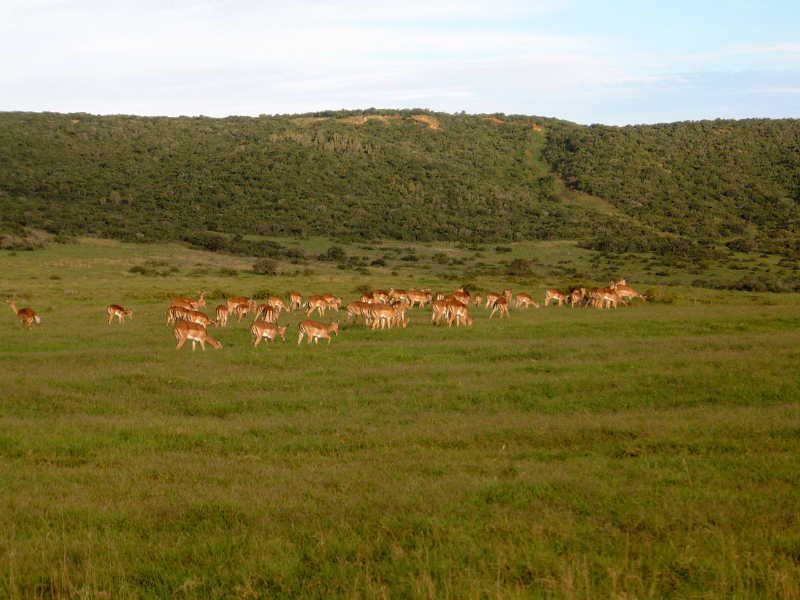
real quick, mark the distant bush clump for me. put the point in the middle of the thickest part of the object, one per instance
(265, 266)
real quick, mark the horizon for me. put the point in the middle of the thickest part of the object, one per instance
(378, 110)
(565, 59)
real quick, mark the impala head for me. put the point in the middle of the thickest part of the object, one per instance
(201, 301)
(282, 332)
(129, 313)
(334, 328)
(507, 294)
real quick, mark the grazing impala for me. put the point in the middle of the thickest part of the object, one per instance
(334, 302)
(316, 303)
(189, 303)
(186, 331)
(358, 309)
(500, 304)
(524, 300)
(262, 330)
(237, 301)
(554, 294)
(176, 313)
(626, 293)
(295, 300)
(277, 303)
(222, 313)
(115, 310)
(27, 316)
(316, 330)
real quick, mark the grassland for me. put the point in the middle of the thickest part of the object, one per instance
(644, 452)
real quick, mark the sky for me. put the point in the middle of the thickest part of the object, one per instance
(614, 62)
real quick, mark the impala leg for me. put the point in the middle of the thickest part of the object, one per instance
(181, 342)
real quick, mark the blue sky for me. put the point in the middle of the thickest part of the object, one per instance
(591, 62)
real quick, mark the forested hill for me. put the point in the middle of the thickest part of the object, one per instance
(405, 175)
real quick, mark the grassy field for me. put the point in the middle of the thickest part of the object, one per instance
(644, 452)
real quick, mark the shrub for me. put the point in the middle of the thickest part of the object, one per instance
(519, 266)
(265, 266)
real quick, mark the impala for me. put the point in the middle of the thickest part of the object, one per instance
(491, 298)
(627, 293)
(186, 331)
(176, 313)
(232, 303)
(382, 315)
(477, 299)
(524, 300)
(500, 304)
(334, 302)
(462, 296)
(277, 303)
(316, 330)
(295, 300)
(438, 311)
(316, 303)
(189, 303)
(222, 313)
(265, 312)
(357, 309)
(577, 296)
(27, 316)
(418, 297)
(459, 313)
(554, 294)
(262, 330)
(115, 310)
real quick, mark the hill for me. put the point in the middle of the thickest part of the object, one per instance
(683, 189)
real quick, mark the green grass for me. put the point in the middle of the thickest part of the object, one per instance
(643, 452)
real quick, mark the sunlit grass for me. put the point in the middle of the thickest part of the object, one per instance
(643, 452)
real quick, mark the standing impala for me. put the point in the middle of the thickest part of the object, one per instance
(316, 330)
(27, 316)
(115, 310)
(500, 304)
(554, 294)
(222, 313)
(186, 331)
(295, 300)
(262, 330)
(316, 303)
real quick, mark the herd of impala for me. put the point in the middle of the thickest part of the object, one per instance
(379, 309)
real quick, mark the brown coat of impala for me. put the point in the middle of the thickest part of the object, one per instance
(186, 331)
(316, 331)
(554, 294)
(263, 330)
(27, 316)
(501, 304)
(118, 312)
(295, 300)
